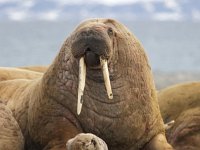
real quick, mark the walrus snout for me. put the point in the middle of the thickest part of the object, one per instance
(92, 43)
(92, 47)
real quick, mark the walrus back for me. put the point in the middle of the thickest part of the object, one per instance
(175, 99)
(9, 73)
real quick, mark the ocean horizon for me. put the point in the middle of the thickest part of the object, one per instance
(173, 48)
(170, 46)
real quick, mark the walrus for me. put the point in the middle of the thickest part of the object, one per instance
(181, 103)
(41, 69)
(99, 83)
(11, 73)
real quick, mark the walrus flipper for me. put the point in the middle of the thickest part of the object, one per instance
(158, 142)
(11, 137)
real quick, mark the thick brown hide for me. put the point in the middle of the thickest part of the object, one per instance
(9, 73)
(41, 69)
(182, 103)
(11, 137)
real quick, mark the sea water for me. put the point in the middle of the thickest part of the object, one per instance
(170, 46)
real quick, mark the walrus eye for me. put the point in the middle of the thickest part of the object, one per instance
(110, 31)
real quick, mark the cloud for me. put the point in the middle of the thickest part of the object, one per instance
(196, 15)
(105, 2)
(149, 7)
(49, 16)
(166, 16)
(172, 4)
(17, 15)
(58, 9)
(8, 1)
(28, 3)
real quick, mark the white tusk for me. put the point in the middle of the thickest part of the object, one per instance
(106, 77)
(81, 84)
(169, 125)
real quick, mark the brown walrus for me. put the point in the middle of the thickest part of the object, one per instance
(9, 73)
(182, 103)
(41, 69)
(123, 110)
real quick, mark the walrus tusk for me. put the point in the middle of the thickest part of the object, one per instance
(169, 125)
(81, 84)
(106, 77)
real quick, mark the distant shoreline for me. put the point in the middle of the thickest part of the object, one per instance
(164, 79)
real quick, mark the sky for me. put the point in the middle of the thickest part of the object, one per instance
(38, 9)
(106, 2)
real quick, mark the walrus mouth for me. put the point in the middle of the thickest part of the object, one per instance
(82, 78)
(92, 59)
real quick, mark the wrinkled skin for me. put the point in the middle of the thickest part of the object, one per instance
(45, 108)
(182, 104)
(10, 134)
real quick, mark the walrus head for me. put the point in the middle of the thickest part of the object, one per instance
(93, 45)
(106, 45)
(92, 42)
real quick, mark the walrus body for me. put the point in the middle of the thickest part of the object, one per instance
(8, 73)
(182, 103)
(45, 108)
(41, 69)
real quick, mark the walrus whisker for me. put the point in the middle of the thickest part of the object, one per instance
(106, 77)
(81, 84)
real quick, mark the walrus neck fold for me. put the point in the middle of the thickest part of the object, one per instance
(62, 75)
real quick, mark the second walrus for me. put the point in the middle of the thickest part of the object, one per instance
(181, 103)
